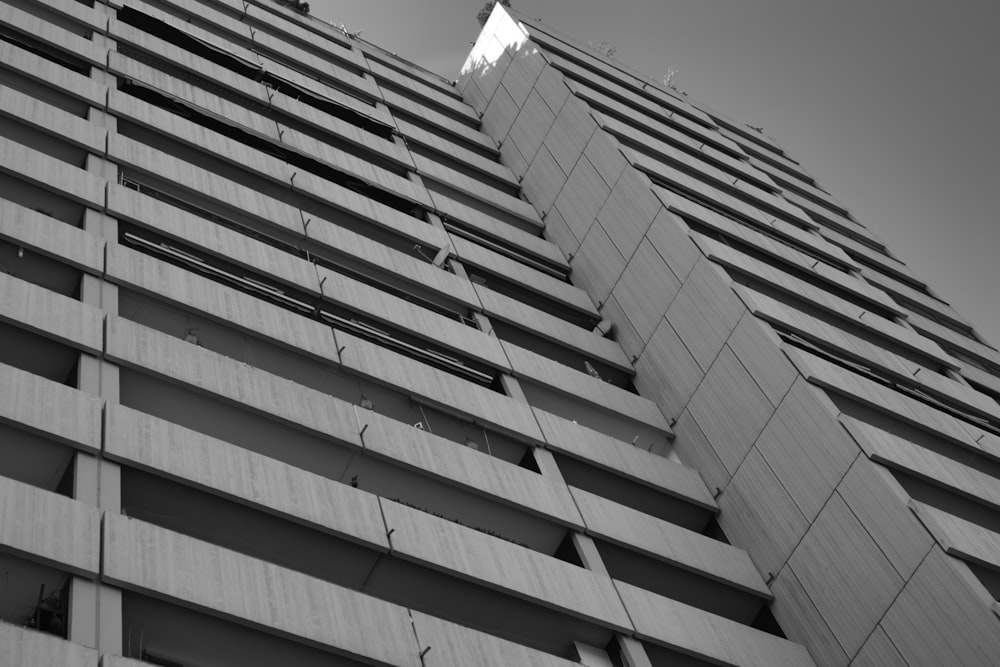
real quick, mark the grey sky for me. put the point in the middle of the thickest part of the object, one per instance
(893, 105)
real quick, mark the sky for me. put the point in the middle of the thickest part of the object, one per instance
(892, 105)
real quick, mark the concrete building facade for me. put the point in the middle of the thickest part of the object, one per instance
(309, 356)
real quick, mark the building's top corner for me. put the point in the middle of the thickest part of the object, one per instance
(549, 38)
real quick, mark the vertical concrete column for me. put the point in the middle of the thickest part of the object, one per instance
(631, 650)
(481, 320)
(592, 657)
(95, 610)
(442, 254)
(549, 468)
(585, 547)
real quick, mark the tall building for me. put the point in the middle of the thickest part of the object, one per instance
(309, 356)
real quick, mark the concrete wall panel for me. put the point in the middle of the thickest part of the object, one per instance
(798, 616)
(597, 265)
(48, 526)
(41, 233)
(806, 448)
(878, 651)
(878, 502)
(43, 171)
(760, 516)
(50, 408)
(29, 647)
(646, 289)
(845, 574)
(53, 315)
(733, 430)
(939, 607)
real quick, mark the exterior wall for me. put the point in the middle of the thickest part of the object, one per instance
(280, 341)
(289, 376)
(726, 270)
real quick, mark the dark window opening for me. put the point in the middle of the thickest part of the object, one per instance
(740, 244)
(171, 635)
(168, 33)
(67, 482)
(988, 577)
(960, 328)
(314, 255)
(766, 622)
(912, 390)
(329, 54)
(846, 231)
(427, 100)
(667, 110)
(43, 140)
(925, 488)
(528, 462)
(616, 654)
(38, 354)
(26, 264)
(487, 152)
(464, 164)
(805, 193)
(714, 530)
(51, 614)
(49, 93)
(557, 350)
(700, 156)
(290, 156)
(878, 268)
(178, 38)
(411, 70)
(720, 207)
(770, 158)
(567, 551)
(292, 299)
(506, 287)
(298, 66)
(43, 50)
(156, 659)
(751, 280)
(713, 205)
(505, 249)
(633, 493)
(967, 357)
(181, 108)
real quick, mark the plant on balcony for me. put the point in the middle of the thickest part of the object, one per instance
(484, 13)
